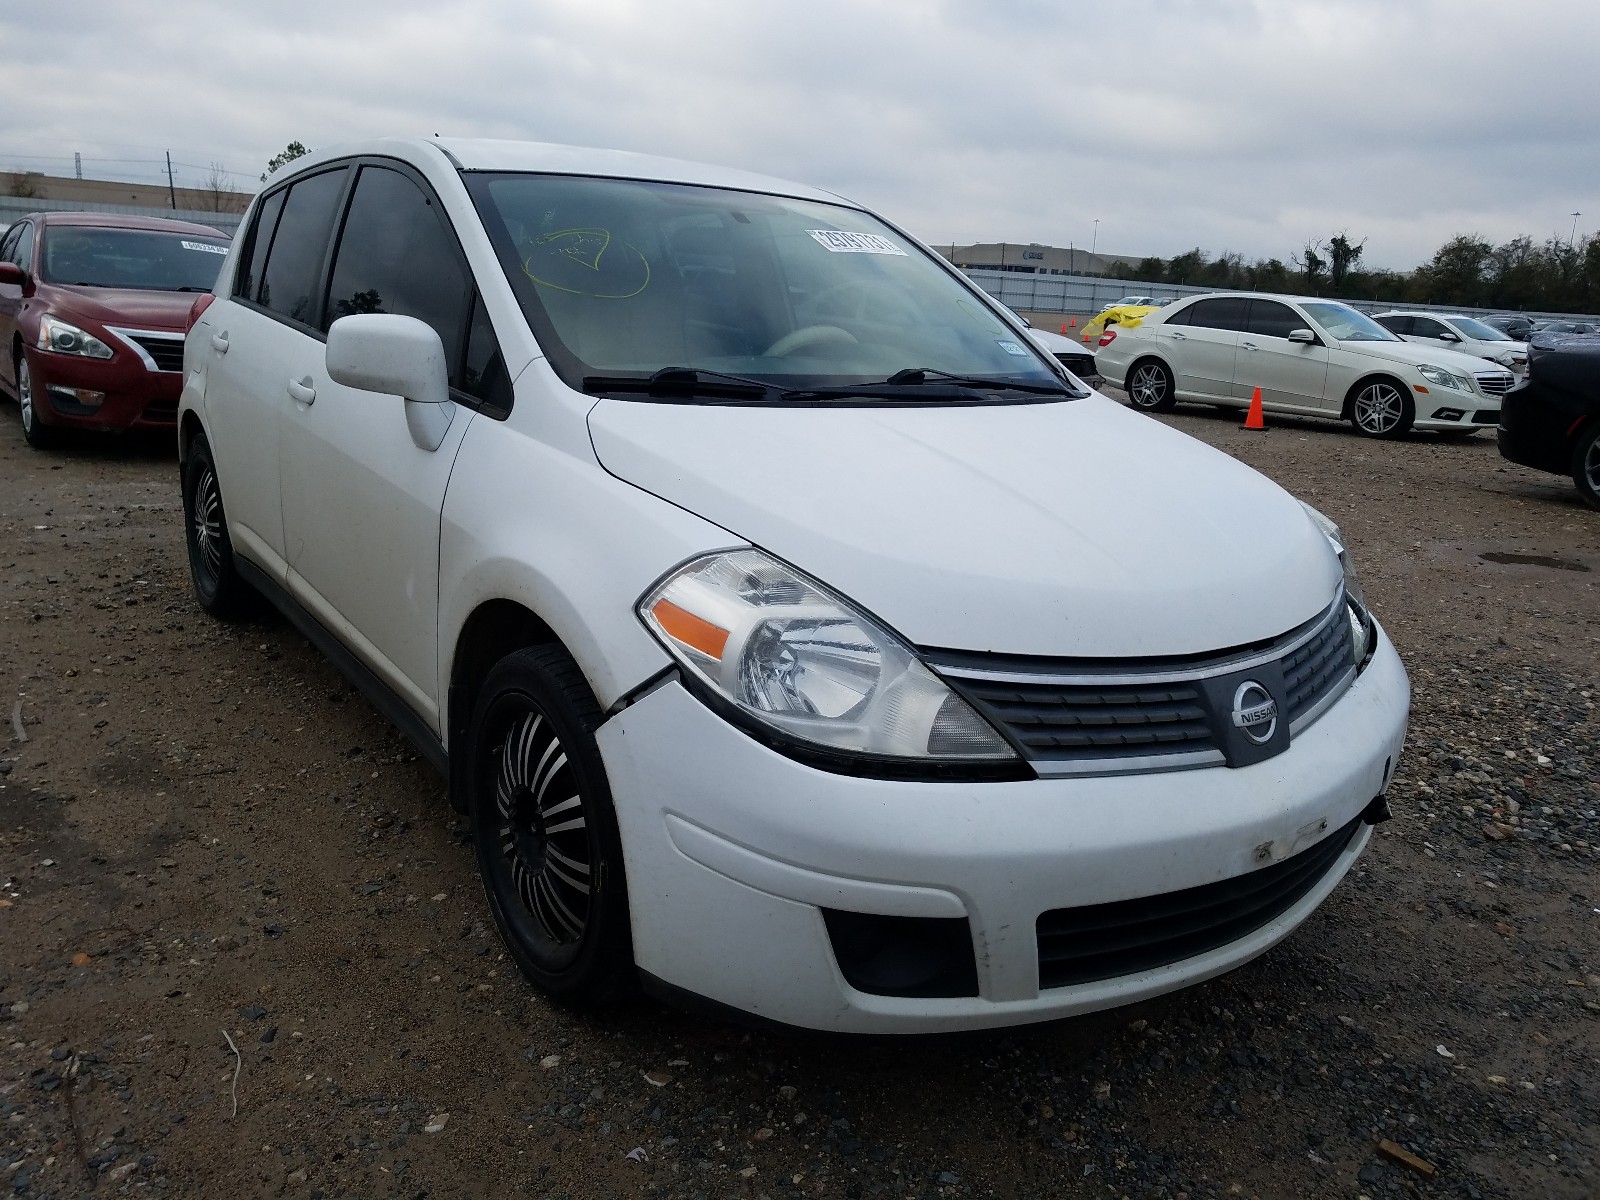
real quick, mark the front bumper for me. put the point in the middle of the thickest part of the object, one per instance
(135, 397)
(1535, 432)
(1441, 408)
(733, 851)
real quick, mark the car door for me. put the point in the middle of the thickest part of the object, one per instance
(15, 247)
(1291, 375)
(254, 343)
(1430, 332)
(361, 499)
(1201, 350)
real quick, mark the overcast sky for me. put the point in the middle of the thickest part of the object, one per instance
(1246, 125)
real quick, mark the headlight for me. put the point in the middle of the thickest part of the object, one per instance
(789, 654)
(57, 335)
(1445, 379)
(1360, 614)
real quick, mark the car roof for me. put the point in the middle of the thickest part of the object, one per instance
(101, 220)
(492, 154)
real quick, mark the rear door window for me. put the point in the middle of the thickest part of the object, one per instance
(294, 263)
(247, 283)
(1427, 327)
(1395, 325)
(1225, 312)
(1271, 319)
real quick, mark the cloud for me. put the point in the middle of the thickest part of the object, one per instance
(1246, 125)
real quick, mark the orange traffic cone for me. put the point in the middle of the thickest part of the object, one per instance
(1072, 322)
(1063, 329)
(1253, 419)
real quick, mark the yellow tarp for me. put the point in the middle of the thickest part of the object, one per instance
(1126, 314)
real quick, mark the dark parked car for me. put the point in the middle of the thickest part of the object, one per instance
(93, 312)
(1551, 420)
(1586, 328)
(1518, 329)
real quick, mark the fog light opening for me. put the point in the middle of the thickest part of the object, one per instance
(1448, 414)
(903, 956)
(69, 398)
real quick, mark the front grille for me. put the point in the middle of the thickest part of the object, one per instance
(1495, 383)
(167, 352)
(1486, 416)
(1104, 941)
(1089, 716)
(1313, 668)
(1052, 721)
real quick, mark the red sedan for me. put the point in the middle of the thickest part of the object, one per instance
(93, 312)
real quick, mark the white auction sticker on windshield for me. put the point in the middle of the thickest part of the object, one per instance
(206, 246)
(1012, 348)
(841, 242)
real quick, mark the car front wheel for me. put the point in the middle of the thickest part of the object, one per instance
(1382, 409)
(39, 435)
(544, 829)
(1150, 387)
(1586, 465)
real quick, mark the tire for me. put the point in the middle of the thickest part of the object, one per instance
(545, 831)
(218, 588)
(1586, 464)
(1150, 387)
(1381, 408)
(37, 434)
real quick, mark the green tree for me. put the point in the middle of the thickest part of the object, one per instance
(291, 152)
(1314, 267)
(1187, 267)
(1150, 270)
(1342, 258)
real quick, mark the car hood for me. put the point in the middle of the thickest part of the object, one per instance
(1415, 354)
(125, 307)
(1067, 529)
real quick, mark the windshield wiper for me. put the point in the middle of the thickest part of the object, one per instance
(900, 385)
(681, 382)
(918, 375)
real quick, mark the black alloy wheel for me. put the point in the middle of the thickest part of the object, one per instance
(217, 584)
(544, 829)
(1150, 386)
(1381, 408)
(1586, 464)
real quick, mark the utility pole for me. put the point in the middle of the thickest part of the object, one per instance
(1573, 239)
(1095, 242)
(171, 190)
(77, 164)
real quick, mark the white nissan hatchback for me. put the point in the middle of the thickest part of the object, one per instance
(798, 636)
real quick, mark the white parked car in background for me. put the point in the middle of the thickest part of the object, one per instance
(1310, 357)
(796, 635)
(1466, 334)
(1152, 301)
(1069, 352)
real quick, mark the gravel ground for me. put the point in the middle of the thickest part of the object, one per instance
(209, 841)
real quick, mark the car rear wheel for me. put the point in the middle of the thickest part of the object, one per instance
(1150, 387)
(1586, 465)
(1382, 409)
(39, 435)
(217, 583)
(545, 831)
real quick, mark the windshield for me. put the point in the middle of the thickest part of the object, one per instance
(1345, 324)
(623, 278)
(1477, 330)
(153, 261)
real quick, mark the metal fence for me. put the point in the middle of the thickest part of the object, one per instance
(14, 207)
(1090, 293)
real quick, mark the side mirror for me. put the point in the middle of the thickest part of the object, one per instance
(402, 356)
(1304, 336)
(13, 274)
(1447, 336)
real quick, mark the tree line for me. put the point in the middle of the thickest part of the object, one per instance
(1555, 276)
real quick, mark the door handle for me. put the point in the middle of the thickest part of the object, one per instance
(219, 342)
(1250, 345)
(1179, 337)
(301, 391)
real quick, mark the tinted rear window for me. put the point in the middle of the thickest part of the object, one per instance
(1226, 312)
(289, 283)
(248, 282)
